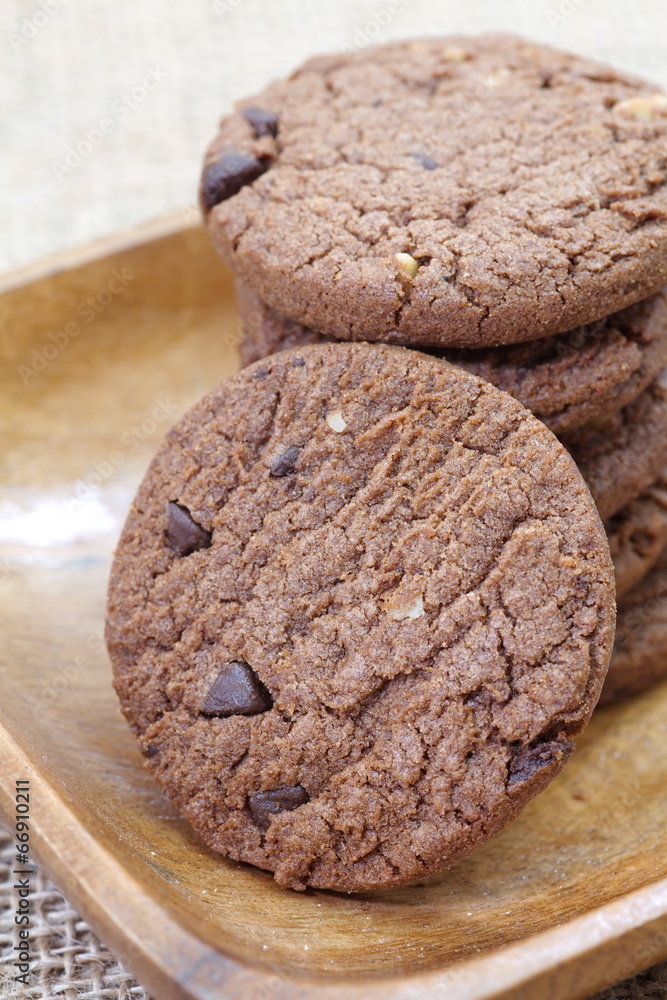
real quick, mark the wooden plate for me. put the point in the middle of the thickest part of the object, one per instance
(101, 352)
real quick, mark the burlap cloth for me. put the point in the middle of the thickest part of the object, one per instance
(69, 64)
(73, 964)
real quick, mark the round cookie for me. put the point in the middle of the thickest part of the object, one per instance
(360, 605)
(458, 192)
(620, 456)
(566, 380)
(640, 651)
(638, 536)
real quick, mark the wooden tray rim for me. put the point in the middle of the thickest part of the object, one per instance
(524, 969)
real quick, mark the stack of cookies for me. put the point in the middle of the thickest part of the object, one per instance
(497, 204)
(364, 598)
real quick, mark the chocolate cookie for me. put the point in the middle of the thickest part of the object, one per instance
(460, 192)
(360, 605)
(638, 536)
(264, 332)
(620, 456)
(566, 380)
(640, 651)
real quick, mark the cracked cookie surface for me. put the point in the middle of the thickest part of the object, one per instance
(463, 192)
(391, 611)
(566, 380)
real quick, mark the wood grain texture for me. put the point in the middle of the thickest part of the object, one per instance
(571, 897)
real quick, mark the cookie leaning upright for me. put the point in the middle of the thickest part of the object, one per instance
(454, 192)
(361, 604)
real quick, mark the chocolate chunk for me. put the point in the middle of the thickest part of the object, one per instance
(299, 363)
(263, 122)
(285, 464)
(425, 161)
(528, 762)
(184, 534)
(236, 691)
(264, 805)
(150, 751)
(261, 373)
(228, 175)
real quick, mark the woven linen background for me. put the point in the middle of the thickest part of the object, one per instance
(65, 65)
(161, 74)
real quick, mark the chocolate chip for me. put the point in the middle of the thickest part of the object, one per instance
(228, 175)
(260, 373)
(264, 805)
(236, 691)
(526, 763)
(150, 751)
(285, 464)
(299, 363)
(184, 534)
(263, 122)
(425, 161)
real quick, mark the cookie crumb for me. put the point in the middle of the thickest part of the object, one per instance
(454, 54)
(494, 80)
(644, 109)
(415, 609)
(336, 422)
